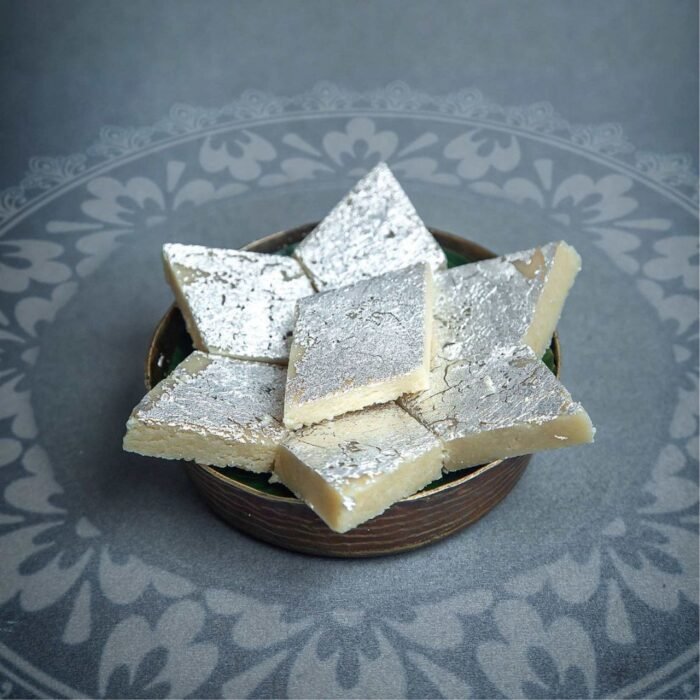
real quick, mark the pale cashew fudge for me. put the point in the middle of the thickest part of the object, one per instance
(511, 300)
(374, 229)
(212, 410)
(507, 404)
(353, 468)
(490, 396)
(360, 345)
(236, 303)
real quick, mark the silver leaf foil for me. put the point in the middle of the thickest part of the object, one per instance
(237, 303)
(218, 396)
(482, 305)
(373, 230)
(361, 335)
(362, 445)
(506, 388)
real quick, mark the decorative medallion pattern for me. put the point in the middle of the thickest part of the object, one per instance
(548, 629)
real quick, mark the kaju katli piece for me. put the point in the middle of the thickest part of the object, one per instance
(490, 397)
(506, 404)
(212, 410)
(353, 468)
(360, 345)
(510, 300)
(236, 303)
(374, 229)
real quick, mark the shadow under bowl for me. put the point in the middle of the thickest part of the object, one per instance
(271, 513)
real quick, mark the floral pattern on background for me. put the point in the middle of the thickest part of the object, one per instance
(52, 556)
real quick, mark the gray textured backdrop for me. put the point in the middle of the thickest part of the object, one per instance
(69, 68)
(114, 579)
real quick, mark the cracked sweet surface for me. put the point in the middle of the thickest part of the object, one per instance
(360, 345)
(213, 410)
(504, 404)
(374, 229)
(354, 467)
(490, 396)
(236, 303)
(512, 300)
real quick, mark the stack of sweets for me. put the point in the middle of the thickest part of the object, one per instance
(397, 368)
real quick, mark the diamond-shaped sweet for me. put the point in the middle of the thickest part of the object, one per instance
(374, 229)
(363, 344)
(212, 410)
(236, 303)
(511, 300)
(505, 404)
(354, 467)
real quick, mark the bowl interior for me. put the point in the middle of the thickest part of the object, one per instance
(172, 344)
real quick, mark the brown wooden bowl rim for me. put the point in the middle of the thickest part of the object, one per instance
(443, 236)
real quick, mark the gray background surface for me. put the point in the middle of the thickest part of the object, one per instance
(69, 68)
(388, 626)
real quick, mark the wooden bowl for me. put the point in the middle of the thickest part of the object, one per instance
(271, 513)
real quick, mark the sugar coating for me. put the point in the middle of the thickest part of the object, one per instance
(236, 303)
(373, 230)
(354, 467)
(360, 345)
(511, 300)
(506, 403)
(213, 410)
